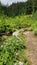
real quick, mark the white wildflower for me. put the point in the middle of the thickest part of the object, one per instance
(21, 63)
(16, 53)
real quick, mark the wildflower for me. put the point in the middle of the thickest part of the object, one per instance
(21, 63)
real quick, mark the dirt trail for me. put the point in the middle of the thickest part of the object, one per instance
(31, 44)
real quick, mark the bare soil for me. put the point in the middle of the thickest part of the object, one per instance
(31, 45)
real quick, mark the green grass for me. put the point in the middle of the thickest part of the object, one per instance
(18, 22)
(12, 50)
(8, 24)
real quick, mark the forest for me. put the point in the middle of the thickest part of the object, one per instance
(21, 8)
(18, 33)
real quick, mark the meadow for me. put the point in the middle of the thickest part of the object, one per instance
(10, 24)
(13, 50)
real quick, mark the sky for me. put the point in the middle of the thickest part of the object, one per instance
(9, 2)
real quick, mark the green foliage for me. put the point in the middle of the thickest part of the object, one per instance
(10, 24)
(11, 51)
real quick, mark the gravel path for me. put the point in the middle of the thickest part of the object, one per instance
(31, 44)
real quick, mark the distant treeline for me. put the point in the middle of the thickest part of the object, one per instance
(28, 7)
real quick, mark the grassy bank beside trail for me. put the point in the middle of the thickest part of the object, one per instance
(13, 50)
(10, 24)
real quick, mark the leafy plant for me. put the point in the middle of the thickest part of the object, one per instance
(10, 50)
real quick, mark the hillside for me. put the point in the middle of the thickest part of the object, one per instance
(18, 33)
